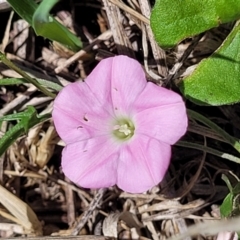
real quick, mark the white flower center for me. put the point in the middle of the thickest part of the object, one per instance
(123, 129)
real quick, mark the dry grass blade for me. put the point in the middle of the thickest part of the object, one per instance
(87, 237)
(110, 224)
(120, 38)
(85, 216)
(7, 33)
(175, 69)
(104, 36)
(158, 53)
(12, 228)
(131, 11)
(210, 228)
(42, 144)
(171, 204)
(21, 211)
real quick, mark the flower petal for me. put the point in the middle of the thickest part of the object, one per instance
(160, 114)
(91, 163)
(142, 164)
(78, 115)
(118, 80)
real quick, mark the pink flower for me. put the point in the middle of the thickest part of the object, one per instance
(118, 128)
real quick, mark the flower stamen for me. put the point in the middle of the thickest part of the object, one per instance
(123, 129)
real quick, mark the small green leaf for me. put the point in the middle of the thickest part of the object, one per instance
(216, 80)
(236, 189)
(27, 119)
(227, 206)
(231, 203)
(174, 20)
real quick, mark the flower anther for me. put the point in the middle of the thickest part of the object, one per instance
(123, 130)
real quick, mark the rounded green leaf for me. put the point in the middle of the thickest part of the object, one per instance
(227, 206)
(174, 20)
(216, 80)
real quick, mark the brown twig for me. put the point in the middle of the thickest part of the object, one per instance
(85, 216)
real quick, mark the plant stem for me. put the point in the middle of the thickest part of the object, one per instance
(230, 139)
(25, 75)
(209, 150)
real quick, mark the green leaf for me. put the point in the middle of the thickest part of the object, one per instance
(16, 81)
(27, 119)
(213, 151)
(228, 183)
(11, 65)
(174, 20)
(11, 81)
(231, 203)
(16, 116)
(216, 80)
(45, 25)
(227, 206)
(230, 139)
(24, 8)
(236, 189)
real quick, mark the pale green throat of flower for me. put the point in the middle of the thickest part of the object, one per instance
(123, 129)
